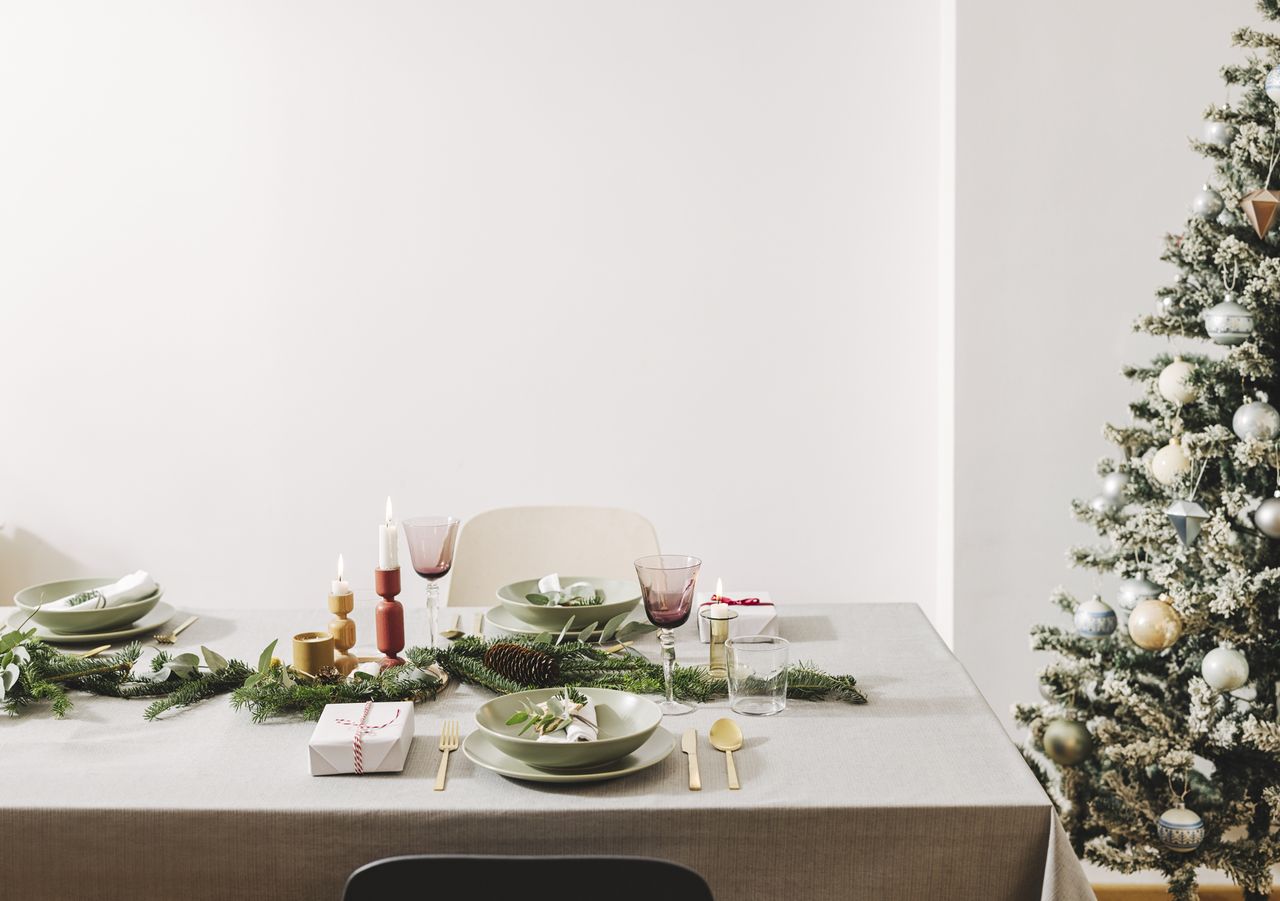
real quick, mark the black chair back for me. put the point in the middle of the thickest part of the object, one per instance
(482, 876)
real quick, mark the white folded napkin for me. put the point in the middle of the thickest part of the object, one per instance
(578, 730)
(133, 587)
(550, 586)
(752, 619)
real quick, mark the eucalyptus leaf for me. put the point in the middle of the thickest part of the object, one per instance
(542, 638)
(565, 630)
(10, 640)
(518, 717)
(612, 626)
(215, 661)
(635, 630)
(585, 634)
(539, 600)
(21, 654)
(264, 659)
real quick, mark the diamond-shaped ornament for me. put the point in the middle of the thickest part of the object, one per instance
(1261, 208)
(1187, 517)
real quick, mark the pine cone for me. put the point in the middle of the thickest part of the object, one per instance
(523, 664)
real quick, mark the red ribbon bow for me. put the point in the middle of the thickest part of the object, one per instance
(357, 740)
(740, 602)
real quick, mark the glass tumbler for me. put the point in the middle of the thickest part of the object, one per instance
(757, 674)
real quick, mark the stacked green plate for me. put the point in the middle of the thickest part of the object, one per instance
(519, 616)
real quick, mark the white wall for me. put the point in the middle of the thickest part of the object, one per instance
(264, 263)
(1072, 163)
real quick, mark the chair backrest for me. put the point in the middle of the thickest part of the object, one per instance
(526, 878)
(506, 545)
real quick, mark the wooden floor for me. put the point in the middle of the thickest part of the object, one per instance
(1157, 893)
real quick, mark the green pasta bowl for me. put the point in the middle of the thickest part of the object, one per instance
(620, 596)
(71, 621)
(626, 721)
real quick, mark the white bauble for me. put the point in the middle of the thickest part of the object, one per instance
(1207, 203)
(1113, 485)
(1225, 669)
(1257, 420)
(1170, 463)
(1180, 829)
(1220, 134)
(1154, 625)
(1272, 84)
(1095, 619)
(1133, 591)
(1266, 519)
(1228, 323)
(1173, 383)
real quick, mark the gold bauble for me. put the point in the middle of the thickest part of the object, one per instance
(1067, 742)
(1154, 625)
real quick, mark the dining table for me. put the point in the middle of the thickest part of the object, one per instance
(917, 794)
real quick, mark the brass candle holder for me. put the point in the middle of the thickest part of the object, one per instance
(718, 617)
(312, 652)
(389, 616)
(343, 631)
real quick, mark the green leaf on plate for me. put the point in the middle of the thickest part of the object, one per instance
(518, 717)
(540, 600)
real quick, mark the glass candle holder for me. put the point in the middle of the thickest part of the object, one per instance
(718, 617)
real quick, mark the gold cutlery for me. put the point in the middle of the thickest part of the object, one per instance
(448, 742)
(171, 637)
(94, 652)
(689, 744)
(480, 625)
(727, 737)
(456, 631)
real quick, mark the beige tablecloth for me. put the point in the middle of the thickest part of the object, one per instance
(918, 794)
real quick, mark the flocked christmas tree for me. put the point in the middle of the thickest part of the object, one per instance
(1158, 735)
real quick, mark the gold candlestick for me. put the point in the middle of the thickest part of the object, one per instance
(343, 631)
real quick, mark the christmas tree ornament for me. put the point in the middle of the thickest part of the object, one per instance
(1170, 463)
(1133, 591)
(1113, 485)
(1180, 829)
(1167, 305)
(1207, 203)
(1225, 668)
(1228, 322)
(1095, 619)
(1154, 625)
(1103, 505)
(1272, 84)
(1266, 519)
(1260, 208)
(1046, 691)
(1256, 421)
(1218, 133)
(1174, 385)
(1187, 517)
(1067, 742)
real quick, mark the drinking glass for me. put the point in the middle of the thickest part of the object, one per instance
(757, 674)
(431, 540)
(667, 583)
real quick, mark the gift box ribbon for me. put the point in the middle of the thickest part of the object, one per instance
(362, 726)
(740, 602)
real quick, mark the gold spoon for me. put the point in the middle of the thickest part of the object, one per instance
(727, 737)
(456, 631)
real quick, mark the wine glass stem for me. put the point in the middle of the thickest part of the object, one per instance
(667, 639)
(433, 601)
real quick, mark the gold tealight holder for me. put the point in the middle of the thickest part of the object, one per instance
(312, 652)
(718, 617)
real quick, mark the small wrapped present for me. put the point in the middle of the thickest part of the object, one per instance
(756, 614)
(361, 738)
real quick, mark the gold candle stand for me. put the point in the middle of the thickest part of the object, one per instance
(343, 631)
(312, 652)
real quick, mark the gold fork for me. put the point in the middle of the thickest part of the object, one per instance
(171, 637)
(448, 742)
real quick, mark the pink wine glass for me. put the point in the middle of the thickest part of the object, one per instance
(431, 540)
(667, 583)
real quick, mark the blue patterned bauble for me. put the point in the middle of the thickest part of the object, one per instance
(1094, 619)
(1272, 85)
(1180, 829)
(1228, 322)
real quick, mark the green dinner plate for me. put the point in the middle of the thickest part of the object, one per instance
(620, 596)
(159, 615)
(481, 751)
(86, 619)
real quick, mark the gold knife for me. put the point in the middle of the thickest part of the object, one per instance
(689, 744)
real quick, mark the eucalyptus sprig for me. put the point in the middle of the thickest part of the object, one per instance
(552, 715)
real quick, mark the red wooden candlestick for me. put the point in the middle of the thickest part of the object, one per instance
(390, 616)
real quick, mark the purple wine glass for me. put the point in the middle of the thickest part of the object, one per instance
(667, 584)
(431, 540)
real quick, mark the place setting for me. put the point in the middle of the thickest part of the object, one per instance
(88, 610)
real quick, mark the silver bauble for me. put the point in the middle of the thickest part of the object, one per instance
(1103, 505)
(1046, 691)
(1257, 421)
(1067, 742)
(1095, 619)
(1220, 134)
(1166, 305)
(1228, 322)
(1180, 829)
(1173, 383)
(1266, 519)
(1132, 591)
(1113, 485)
(1272, 84)
(1207, 203)
(1225, 669)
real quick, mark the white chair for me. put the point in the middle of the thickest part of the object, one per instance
(513, 543)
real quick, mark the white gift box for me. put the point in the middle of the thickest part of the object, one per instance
(752, 619)
(385, 734)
